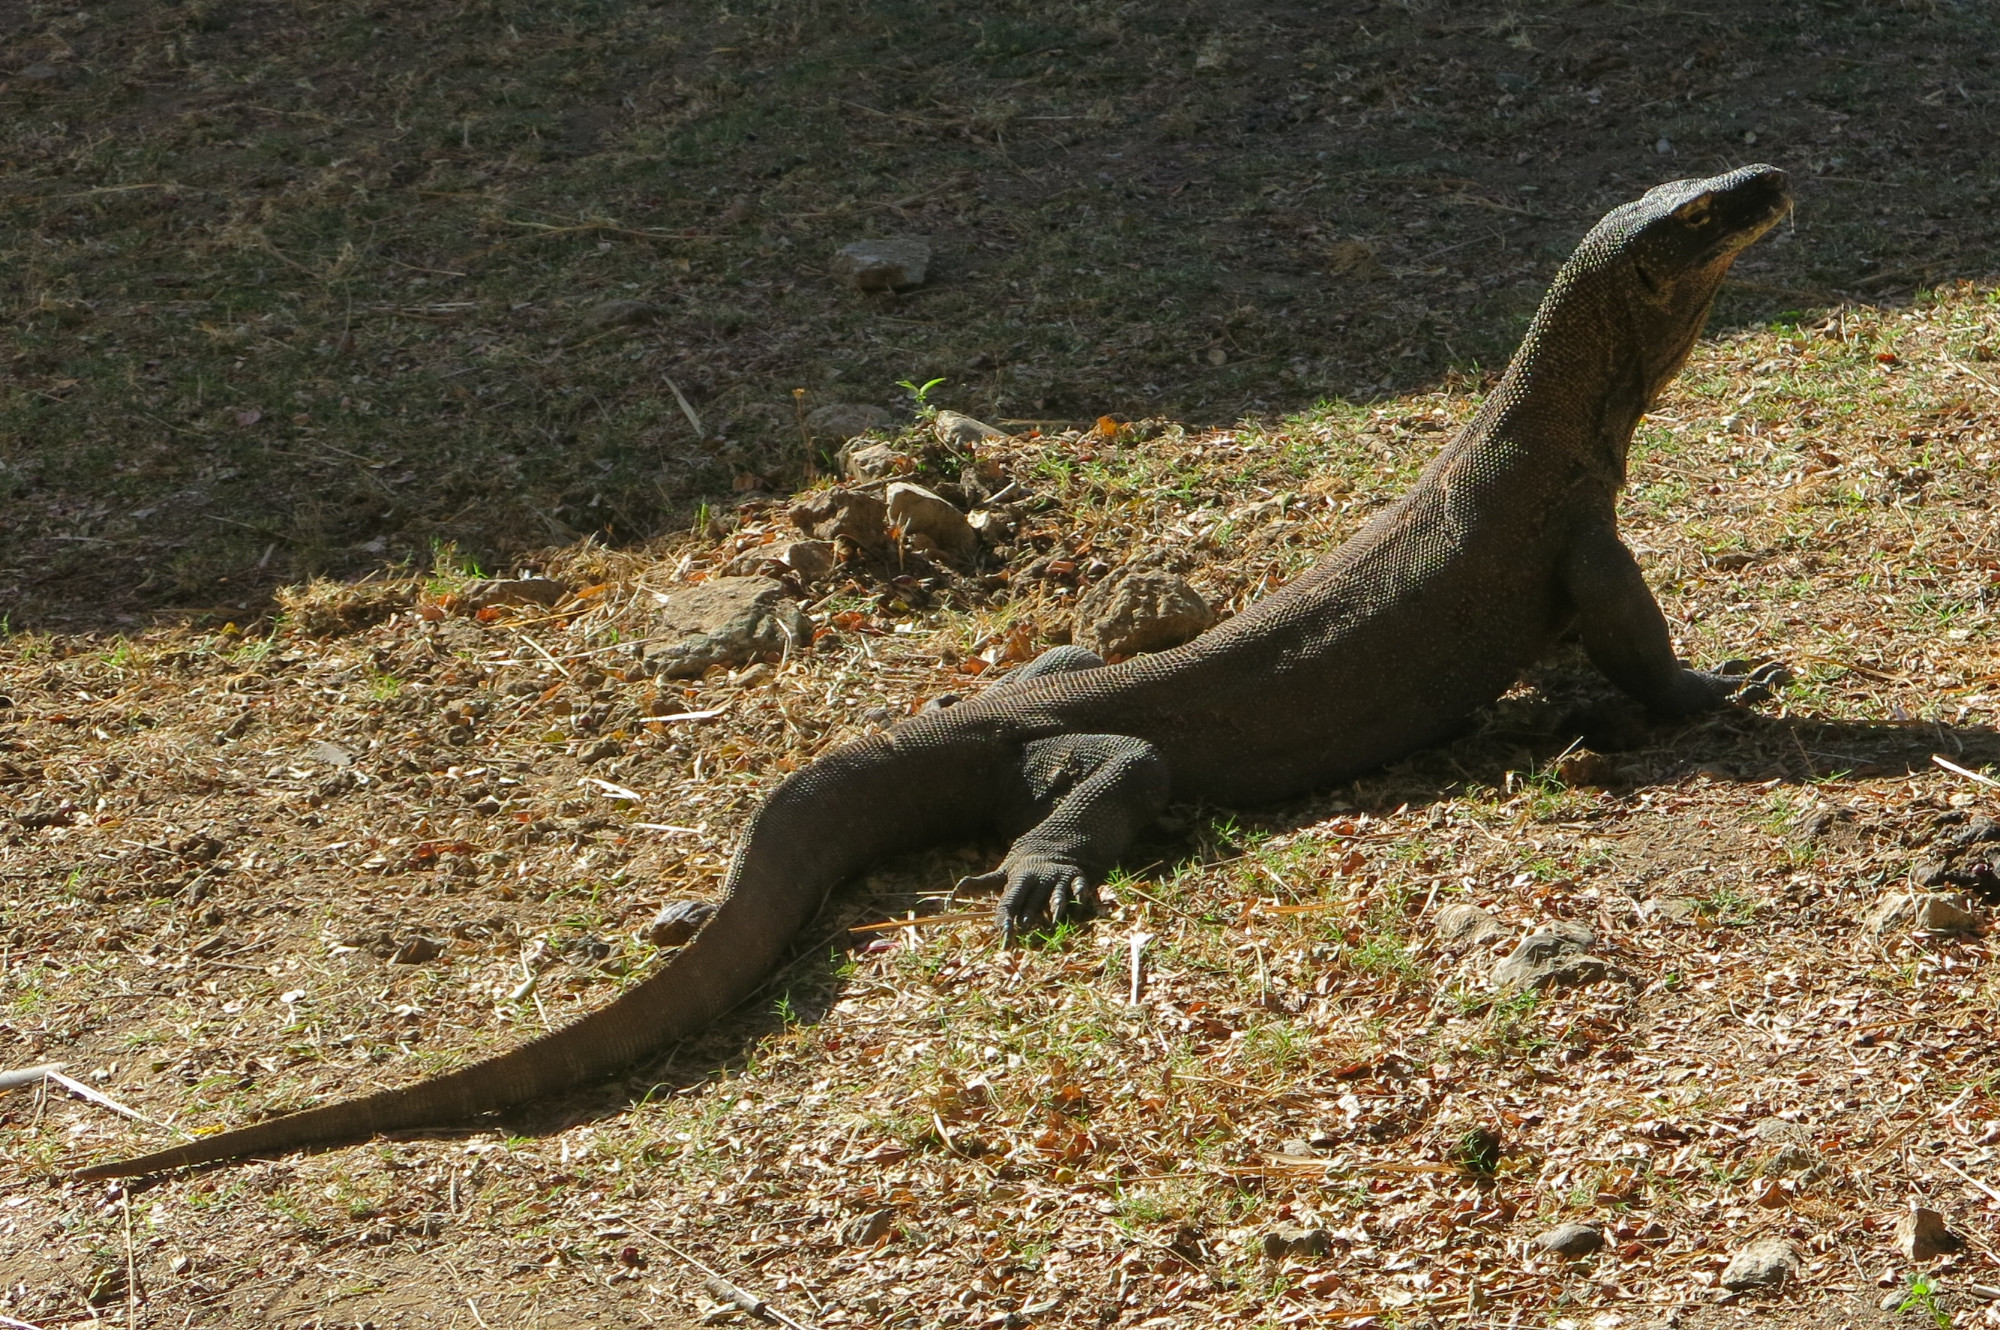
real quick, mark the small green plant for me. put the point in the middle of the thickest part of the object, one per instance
(920, 395)
(1923, 1297)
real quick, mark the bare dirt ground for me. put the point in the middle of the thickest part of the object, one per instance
(256, 855)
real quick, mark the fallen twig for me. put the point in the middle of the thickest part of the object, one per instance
(1958, 770)
(14, 1080)
(82, 1091)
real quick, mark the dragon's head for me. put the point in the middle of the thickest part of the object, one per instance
(1660, 259)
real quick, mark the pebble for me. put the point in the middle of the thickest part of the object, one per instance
(1922, 1235)
(1292, 1240)
(1572, 1240)
(963, 431)
(808, 560)
(1931, 911)
(1677, 909)
(992, 527)
(1586, 768)
(727, 621)
(1555, 955)
(874, 461)
(1135, 608)
(843, 514)
(845, 420)
(1467, 926)
(677, 922)
(488, 591)
(867, 1230)
(917, 511)
(1765, 1263)
(883, 265)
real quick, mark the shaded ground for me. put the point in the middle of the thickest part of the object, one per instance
(310, 288)
(218, 845)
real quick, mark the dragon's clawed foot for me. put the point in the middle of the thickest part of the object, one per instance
(1741, 681)
(1034, 892)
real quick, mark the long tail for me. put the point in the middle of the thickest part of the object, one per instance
(918, 783)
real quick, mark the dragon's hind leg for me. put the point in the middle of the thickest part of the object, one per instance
(1090, 795)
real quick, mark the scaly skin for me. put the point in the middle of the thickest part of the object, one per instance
(1430, 612)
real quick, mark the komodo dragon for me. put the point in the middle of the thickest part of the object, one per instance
(1508, 540)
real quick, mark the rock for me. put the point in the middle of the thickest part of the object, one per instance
(1922, 1235)
(874, 461)
(1135, 608)
(488, 591)
(808, 560)
(960, 431)
(619, 314)
(1765, 1263)
(1679, 909)
(1587, 768)
(726, 621)
(916, 511)
(1553, 956)
(1467, 927)
(1572, 1240)
(883, 265)
(867, 1230)
(848, 515)
(845, 420)
(1931, 911)
(418, 950)
(1297, 1147)
(1978, 831)
(994, 528)
(676, 922)
(1292, 1240)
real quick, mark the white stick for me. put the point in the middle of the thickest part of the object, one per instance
(1958, 770)
(82, 1091)
(1138, 943)
(14, 1080)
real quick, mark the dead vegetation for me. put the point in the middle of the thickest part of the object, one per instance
(248, 870)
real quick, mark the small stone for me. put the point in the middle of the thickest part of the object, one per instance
(676, 923)
(846, 420)
(418, 950)
(39, 72)
(994, 528)
(1296, 1147)
(620, 314)
(1765, 1263)
(1572, 1240)
(485, 592)
(1978, 831)
(919, 512)
(1468, 927)
(848, 515)
(808, 560)
(883, 265)
(1931, 911)
(875, 461)
(1552, 956)
(1291, 1240)
(1678, 909)
(963, 431)
(1136, 608)
(727, 621)
(1586, 768)
(1923, 1236)
(867, 1230)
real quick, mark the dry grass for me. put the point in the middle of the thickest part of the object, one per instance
(312, 289)
(199, 893)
